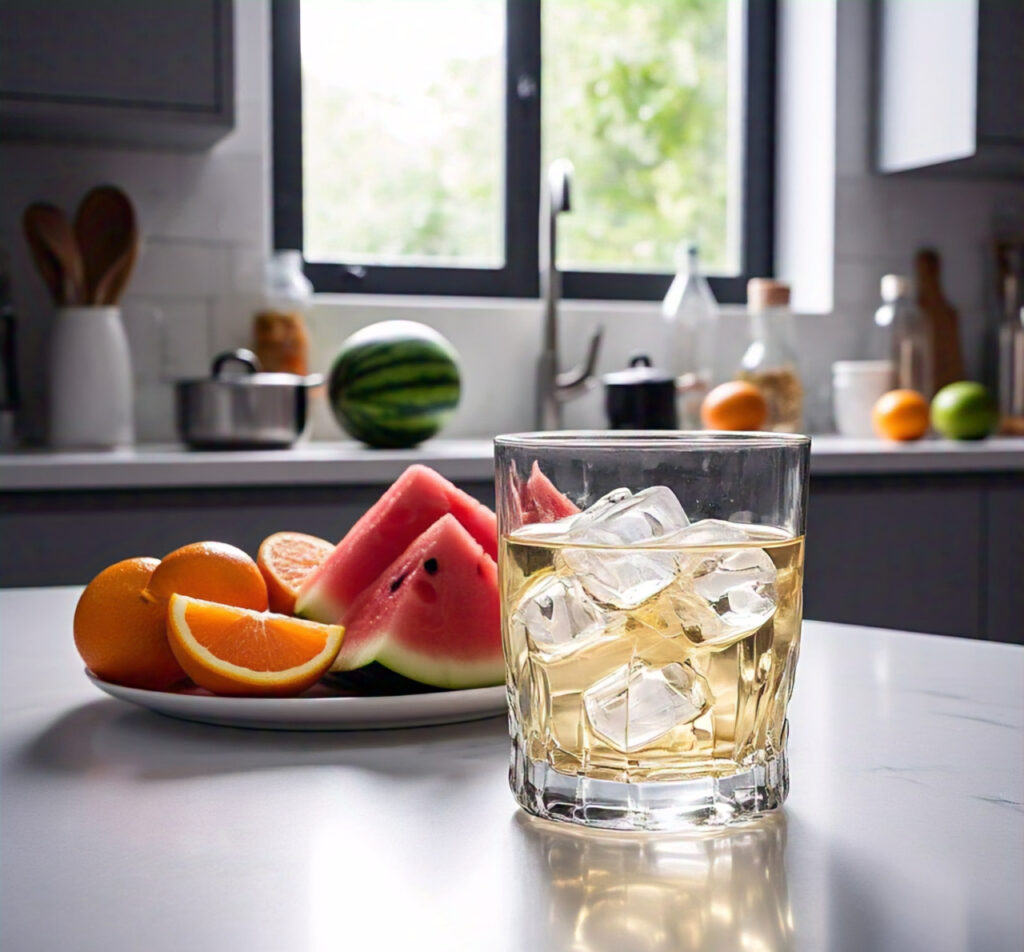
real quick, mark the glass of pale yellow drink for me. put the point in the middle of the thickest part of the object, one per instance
(651, 606)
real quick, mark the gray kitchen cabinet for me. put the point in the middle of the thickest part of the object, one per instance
(65, 538)
(1004, 564)
(896, 553)
(938, 554)
(158, 73)
(950, 91)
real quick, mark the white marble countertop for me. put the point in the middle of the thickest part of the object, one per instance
(123, 830)
(350, 463)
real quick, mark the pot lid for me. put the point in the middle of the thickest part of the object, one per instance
(640, 372)
(242, 368)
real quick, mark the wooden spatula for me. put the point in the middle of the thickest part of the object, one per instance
(107, 233)
(55, 252)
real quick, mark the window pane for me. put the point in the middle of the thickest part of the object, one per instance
(403, 131)
(644, 98)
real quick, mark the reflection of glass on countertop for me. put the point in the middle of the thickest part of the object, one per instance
(610, 892)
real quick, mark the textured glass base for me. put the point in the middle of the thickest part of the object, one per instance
(656, 805)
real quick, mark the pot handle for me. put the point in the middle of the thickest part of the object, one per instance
(241, 356)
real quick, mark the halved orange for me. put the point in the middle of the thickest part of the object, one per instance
(285, 559)
(238, 651)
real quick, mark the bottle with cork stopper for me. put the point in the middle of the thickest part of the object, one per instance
(770, 360)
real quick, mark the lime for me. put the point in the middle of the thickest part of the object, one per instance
(964, 411)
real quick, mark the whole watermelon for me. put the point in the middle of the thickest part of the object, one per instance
(394, 384)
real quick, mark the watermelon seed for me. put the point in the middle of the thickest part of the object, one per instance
(396, 584)
(430, 566)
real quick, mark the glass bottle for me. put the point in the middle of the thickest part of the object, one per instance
(906, 335)
(770, 360)
(281, 340)
(690, 312)
(9, 390)
(1011, 375)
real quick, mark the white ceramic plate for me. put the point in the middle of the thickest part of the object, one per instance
(321, 709)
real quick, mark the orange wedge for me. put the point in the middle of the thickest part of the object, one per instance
(238, 651)
(285, 559)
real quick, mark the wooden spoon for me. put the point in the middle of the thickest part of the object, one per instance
(46, 264)
(55, 252)
(113, 284)
(107, 233)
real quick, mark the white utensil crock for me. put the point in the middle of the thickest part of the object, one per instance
(856, 387)
(90, 379)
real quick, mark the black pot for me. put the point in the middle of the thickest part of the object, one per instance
(641, 397)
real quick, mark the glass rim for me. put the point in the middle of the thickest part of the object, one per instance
(653, 439)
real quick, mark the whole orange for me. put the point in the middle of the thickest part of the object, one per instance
(901, 415)
(736, 405)
(120, 633)
(213, 571)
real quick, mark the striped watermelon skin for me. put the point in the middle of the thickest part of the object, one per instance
(395, 384)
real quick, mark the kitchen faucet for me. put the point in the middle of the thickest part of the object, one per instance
(554, 387)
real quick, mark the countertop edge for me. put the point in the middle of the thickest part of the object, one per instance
(340, 464)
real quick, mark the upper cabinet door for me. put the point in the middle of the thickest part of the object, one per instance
(951, 87)
(131, 72)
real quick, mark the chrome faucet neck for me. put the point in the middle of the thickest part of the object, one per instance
(554, 388)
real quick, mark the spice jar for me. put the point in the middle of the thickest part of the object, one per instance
(280, 337)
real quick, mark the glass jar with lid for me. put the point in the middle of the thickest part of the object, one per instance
(770, 360)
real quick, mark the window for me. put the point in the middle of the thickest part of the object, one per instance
(410, 138)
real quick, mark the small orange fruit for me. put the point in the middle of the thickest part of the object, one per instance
(121, 634)
(736, 405)
(240, 652)
(901, 415)
(285, 559)
(212, 570)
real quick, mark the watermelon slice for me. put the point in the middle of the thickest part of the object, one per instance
(415, 501)
(540, 501)
(432, 615)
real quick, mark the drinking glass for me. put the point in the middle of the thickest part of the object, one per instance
(651, 590)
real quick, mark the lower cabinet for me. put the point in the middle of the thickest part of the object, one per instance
(896, 555)
(65, 538)
(938, 554)
(1004, 563)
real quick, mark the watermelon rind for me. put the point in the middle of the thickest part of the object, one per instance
(394, 384)
(317, 605)
(438, 672)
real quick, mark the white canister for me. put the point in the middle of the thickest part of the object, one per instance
(90, 379)
(856, 387)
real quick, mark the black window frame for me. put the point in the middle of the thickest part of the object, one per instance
(519, 277)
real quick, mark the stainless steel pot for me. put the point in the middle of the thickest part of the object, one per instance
(247, 410)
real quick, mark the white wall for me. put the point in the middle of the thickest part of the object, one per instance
(206, 220)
